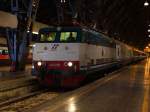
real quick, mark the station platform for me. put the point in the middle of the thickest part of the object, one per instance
(126, 90)
(10, 80)
(5, 73)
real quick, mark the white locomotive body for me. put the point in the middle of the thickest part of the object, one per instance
(66, 55)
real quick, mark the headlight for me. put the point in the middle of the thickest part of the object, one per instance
(39, 63)
(70, 64)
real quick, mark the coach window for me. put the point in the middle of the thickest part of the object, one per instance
(4, 52)
(118, 52)
(84, 35)
(68, 36)
(0, 51)
(102, 52)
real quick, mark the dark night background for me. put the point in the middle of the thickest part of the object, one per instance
(125, 20)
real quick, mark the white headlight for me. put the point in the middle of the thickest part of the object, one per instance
(70, 64)
(39, 63)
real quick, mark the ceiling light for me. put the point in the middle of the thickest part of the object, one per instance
(146, 3)
(63, 1)
(148, 30)
(35, 33)
(33, 45)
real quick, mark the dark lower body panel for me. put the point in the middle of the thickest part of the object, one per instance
(62, 78)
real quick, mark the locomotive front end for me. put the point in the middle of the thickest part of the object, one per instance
(56, 62)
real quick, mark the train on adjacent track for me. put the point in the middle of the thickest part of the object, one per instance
(3, 53)
(5, 59)
(65, 56)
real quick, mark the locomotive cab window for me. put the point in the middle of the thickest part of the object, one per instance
(68, 36)
(48, 37)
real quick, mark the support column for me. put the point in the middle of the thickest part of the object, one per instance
(18, 39)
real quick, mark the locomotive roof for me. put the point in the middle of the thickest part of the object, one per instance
(79, 28)
(64, 28)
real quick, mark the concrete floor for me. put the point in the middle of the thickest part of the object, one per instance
(125, 91)
(6, 75)
(7, 68)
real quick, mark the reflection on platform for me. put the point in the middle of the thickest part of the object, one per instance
(125, 91)
(71, 105)
(146, 84)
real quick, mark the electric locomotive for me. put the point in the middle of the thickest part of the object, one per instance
(64, 56)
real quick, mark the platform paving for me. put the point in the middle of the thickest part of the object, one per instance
(5, 73)
(125, 91)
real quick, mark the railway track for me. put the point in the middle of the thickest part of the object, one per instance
(16, 92)
(14, 88)
(16, 99)
(29, 101)
(18, 95)
(32, 100)
(12, 91)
